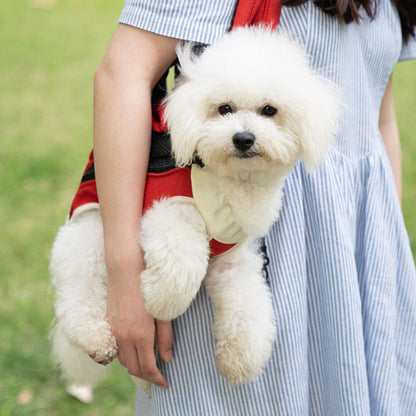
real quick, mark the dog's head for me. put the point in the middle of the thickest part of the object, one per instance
(250, 102)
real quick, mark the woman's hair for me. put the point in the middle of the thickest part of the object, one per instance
(350, 11)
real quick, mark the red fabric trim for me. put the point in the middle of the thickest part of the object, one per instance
(254, 12)
(166, 185)
(158, 118)
(218, 248)
(86, 194)
(87, 191)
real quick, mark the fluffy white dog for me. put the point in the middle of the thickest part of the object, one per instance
(250, 108)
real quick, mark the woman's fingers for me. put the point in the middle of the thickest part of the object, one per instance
(138, 356)
(134, 329)
(148, 368)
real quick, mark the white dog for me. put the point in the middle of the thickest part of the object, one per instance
(250, 108)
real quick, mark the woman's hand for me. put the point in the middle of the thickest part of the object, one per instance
(135, 329)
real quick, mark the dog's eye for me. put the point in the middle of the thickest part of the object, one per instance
(225, 109)
(269, 111)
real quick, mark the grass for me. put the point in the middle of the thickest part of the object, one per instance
(47, 64)
(49, 51)
(404, 88)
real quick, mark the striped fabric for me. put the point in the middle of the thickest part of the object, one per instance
(342, 274)
(197, 20)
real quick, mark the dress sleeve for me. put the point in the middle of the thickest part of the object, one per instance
(408, 49)
(194, 20)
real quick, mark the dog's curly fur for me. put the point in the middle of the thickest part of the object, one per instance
(250, 108)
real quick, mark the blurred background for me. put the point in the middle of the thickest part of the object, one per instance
(49, 50)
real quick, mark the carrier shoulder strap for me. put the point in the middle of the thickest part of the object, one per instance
(255, 12)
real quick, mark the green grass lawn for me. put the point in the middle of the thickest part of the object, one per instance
(404, 87)
(47, 62)
(49, 51)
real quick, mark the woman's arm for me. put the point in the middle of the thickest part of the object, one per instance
(390, 133)
(134, 62)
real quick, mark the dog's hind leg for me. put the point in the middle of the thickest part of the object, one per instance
(76, 366)
(244, 324)
(175, 243)
(79, 278)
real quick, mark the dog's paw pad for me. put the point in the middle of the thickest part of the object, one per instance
(104, 354)
(104, 357)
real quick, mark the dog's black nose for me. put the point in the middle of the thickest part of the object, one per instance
(243, 141)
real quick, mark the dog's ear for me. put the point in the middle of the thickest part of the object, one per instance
(318, 120)
(185, 107)
(186, 57)
(182, 114)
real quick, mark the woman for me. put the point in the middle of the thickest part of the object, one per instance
(341, 270)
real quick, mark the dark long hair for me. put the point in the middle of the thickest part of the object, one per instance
(350, 11)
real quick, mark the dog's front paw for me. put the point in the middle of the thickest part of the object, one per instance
(176, 253)
(236, 365)
(104, 356)
(243, 350)
(101, 346)
(164, 298)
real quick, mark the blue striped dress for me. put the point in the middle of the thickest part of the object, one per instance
(342, 274)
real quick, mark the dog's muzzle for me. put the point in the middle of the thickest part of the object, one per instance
(243, 141)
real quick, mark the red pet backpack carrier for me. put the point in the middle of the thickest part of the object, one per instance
(164, 179)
